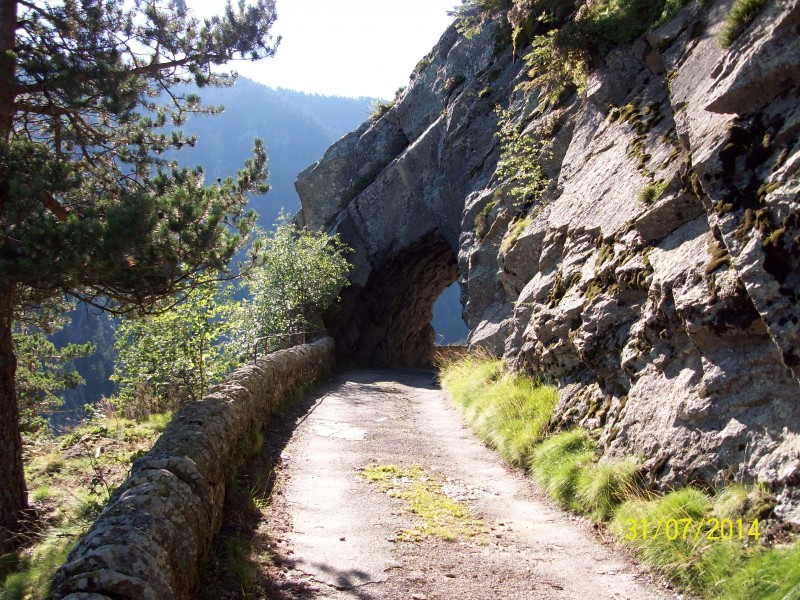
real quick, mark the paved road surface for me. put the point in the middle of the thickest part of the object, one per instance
(335, 533)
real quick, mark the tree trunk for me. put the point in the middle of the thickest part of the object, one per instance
(13, 498)
(8, 30)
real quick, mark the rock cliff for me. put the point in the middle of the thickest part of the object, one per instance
(642, 251)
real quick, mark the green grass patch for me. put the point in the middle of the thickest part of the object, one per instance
(652, 192)
(509, 411)
(238, 557)
(438, 515)
(511, 237)
(556, 464)
(33, 571)
(772, 574)
(743, 13)
(601, 487)
(708, 544)
(70, 478)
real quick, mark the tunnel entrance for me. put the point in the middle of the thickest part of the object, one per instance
(387, 321)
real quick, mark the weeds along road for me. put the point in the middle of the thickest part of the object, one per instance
(382, 492)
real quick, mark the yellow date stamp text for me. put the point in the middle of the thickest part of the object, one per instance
(711, 528)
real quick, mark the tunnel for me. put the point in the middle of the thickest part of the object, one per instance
(387, 321)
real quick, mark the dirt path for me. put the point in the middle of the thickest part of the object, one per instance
(334, 534)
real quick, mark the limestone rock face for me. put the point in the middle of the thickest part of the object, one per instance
(655, 277)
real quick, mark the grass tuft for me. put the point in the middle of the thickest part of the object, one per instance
(32, 575)
(652, 192)
(742, 14)
(557, 463)
(508, 411)
(773, 574)
(602, 487)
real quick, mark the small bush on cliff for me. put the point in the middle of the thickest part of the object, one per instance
(472, 14)
(743, 13)
(556, 71)
(562, 54)
(520, 157)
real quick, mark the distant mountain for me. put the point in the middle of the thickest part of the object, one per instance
(296, 129)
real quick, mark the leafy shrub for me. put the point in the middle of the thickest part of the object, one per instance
(520, 155)
(174, 357)
(168, 359)
(556, 70)
(603, 24)
(471, 15)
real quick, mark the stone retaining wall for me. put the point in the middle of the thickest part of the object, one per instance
(156, 531)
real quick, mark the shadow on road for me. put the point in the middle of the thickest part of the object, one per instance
(244, 562)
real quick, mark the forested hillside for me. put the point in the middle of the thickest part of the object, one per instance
(295, 127)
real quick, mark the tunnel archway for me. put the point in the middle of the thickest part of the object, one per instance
(387, 321)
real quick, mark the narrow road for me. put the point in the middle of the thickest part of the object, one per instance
(336, 534)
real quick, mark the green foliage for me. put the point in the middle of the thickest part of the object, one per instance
(742, 14)
(482, 219)
(380, 108)
(603, 24)
(178, 354)
(42, 372)
(559, 58)
(173, 357)
(298, 275)
(519, 160)
(557, 463)
(556, 70)
(508, 411)
(652, 191)
(471, 15)
(602, 487)
(91, 205)
(513, 233)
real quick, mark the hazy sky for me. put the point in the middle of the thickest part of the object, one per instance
(346, 47)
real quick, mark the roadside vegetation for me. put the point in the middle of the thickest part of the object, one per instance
(70, 479)
(164, 361)
(437, 514)
(715, 543)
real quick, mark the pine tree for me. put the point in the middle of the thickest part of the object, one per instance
(91, 94)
